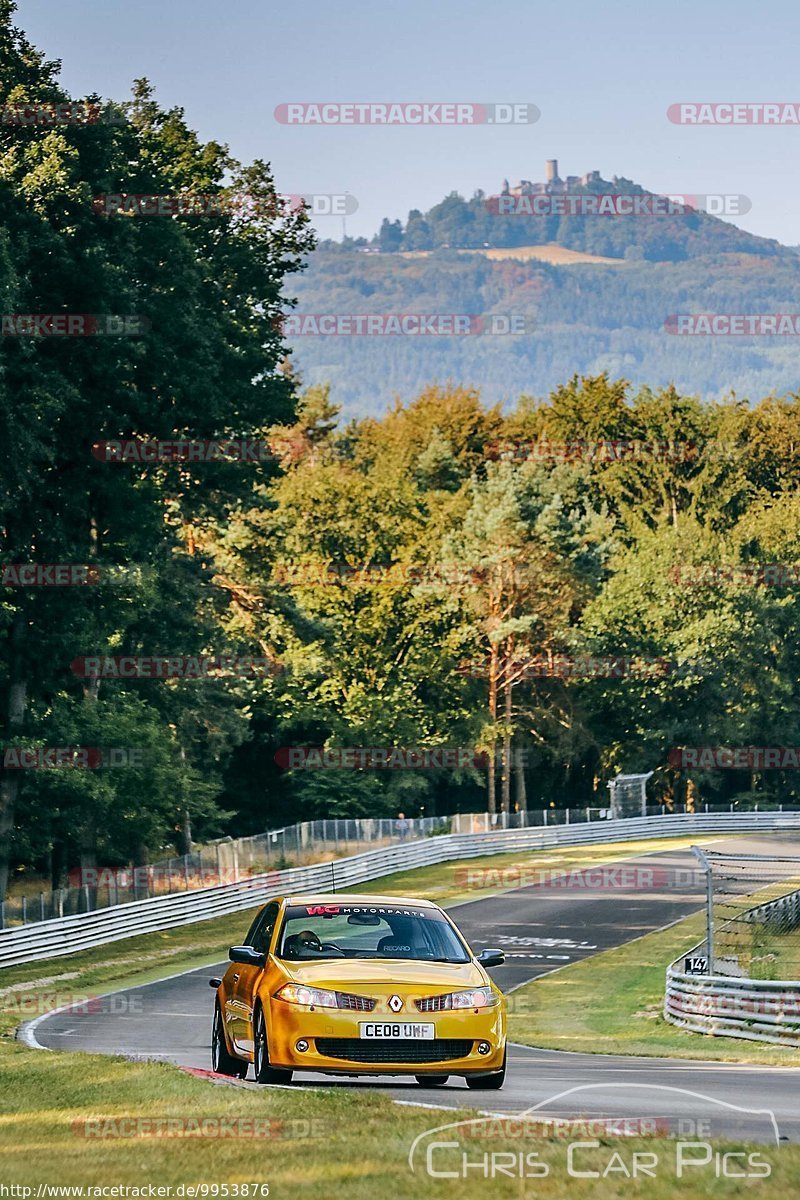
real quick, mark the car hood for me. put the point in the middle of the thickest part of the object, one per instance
(344, 974)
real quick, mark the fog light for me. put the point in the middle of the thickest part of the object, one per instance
(302, 1045)
(484, 1048)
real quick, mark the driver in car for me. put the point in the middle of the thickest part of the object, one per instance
(304, 944)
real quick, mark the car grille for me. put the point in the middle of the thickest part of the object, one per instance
(394, 1050)
(355, 1003)
(434, 1003)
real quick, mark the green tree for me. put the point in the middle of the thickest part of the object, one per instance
(207, 367)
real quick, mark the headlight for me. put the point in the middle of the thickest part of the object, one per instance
(296, 993)
(484, 997)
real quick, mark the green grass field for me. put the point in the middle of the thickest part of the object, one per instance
(323, 1143)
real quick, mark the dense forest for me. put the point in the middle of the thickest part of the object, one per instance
(588, 318)
(401, 578)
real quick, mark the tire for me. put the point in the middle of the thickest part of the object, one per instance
(432, 1080)
(264, 1072)
(488, 1083)
(221, 1060)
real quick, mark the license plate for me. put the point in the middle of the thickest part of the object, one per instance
(396, 1029)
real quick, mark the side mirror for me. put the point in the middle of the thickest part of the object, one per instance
(247, 956)
(491, 958)
(214, 982)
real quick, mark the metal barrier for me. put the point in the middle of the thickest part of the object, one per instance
(728, 1005)
(50, 939)
(757, 1010)
(226, 860)
(231, 860)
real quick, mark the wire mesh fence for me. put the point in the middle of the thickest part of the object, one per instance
(230, 860)
(752, 916)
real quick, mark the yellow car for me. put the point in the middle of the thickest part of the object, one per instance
(359, 985)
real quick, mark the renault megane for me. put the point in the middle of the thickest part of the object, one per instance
(359, 985)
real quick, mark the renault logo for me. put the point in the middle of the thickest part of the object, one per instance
(395, 1003)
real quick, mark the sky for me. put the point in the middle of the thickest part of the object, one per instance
(602, 76)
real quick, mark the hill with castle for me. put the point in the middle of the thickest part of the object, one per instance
(594, 269)
(612, 218)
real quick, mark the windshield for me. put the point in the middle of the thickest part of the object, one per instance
(316, 931)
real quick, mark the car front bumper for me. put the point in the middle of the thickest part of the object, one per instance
(334, 1044)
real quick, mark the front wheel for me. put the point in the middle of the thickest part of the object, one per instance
(221, 1061)
(264, 1072)
(488, 1083)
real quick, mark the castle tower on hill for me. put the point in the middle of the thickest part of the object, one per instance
(552, 182)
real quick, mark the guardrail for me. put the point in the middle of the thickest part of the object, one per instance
(757, 1010)
(785, 908)
(51, 939)
(231, 860)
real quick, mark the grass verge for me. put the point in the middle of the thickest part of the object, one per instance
(612, 1003)
(297, 1142)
